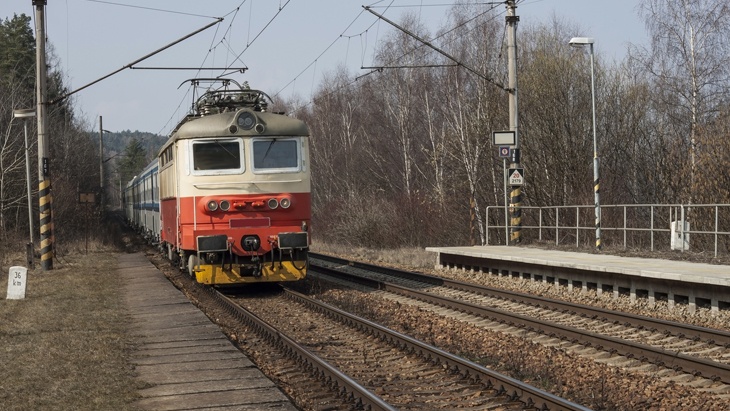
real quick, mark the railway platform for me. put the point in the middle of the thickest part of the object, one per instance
(677, 282)
(184, 360)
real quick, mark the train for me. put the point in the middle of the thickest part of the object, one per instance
(228, 197)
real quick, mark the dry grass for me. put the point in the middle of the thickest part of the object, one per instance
(65, 346)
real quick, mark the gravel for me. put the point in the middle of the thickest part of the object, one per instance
(600, 385)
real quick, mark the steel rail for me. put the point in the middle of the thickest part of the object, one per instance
(349, 387)
(709, 335)
(671, 359)
(515, 389)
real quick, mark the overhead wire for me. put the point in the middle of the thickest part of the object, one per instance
(150, 8)
(342, 35)
(318, 56)
(392, 61)
(226, 43)
(211, 50)
(224, 40)
(249, 43)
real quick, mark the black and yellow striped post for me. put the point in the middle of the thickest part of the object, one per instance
(472, 220)
(46, 223)
(515, 206)
(597, 197)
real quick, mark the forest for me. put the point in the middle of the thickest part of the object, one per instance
(402, 155)
(74, 149)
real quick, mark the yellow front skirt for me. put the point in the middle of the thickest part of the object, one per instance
(229, 274)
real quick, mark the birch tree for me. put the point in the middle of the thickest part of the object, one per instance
(474, 107)
(687, 59)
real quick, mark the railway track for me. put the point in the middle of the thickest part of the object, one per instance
(371, 367)
(682, 348)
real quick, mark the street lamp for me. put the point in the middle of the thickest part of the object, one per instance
(581, 42)
(25, 113)
(101, 166)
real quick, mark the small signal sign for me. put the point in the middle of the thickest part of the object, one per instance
(516, 176)
(504, 152)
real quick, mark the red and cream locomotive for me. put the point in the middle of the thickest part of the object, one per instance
(234, 190)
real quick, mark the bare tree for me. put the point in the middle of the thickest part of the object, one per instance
(627, 148)
(398, 91)
(472, 108)
(337, 130)
(12, 175)
(687, 59)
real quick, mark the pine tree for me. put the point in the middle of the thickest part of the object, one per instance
(133, 161)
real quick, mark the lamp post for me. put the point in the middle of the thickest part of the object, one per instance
(25, 113)
(101, 166)
(581, 42)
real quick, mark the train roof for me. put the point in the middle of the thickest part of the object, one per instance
(219, 112)
(224, 124)
(150, 168)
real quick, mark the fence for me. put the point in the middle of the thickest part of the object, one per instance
(653, 226)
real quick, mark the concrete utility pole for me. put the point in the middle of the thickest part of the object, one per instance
(516, 191)
(44, 161)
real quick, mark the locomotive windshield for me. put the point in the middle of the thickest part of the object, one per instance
(274, 154)
(217, 156)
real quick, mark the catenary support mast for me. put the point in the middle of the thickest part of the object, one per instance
(516, 191)
(44, 161)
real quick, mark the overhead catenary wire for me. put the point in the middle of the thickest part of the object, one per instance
(211, 48)
(249, 43)
(223, 38)
(438, 50)
(320, 55)
(240, 69)
(391, 64)
(63, 97)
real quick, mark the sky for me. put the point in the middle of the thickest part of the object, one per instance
(286, 45)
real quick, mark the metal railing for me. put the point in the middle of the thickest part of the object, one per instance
(653, 226)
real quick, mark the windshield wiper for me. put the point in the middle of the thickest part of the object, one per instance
(268, 149)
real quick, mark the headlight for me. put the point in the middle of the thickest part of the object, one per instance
(285, 202)
(225, 205)
(273, 203)
(212, 205)
(246, 120)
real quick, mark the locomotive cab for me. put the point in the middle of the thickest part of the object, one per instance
(235, 191)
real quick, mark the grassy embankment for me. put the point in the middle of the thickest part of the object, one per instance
(66, 345)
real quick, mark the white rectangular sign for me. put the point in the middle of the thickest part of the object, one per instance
(16, 283)
(503, 138)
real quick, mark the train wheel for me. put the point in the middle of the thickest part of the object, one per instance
(192, 262)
